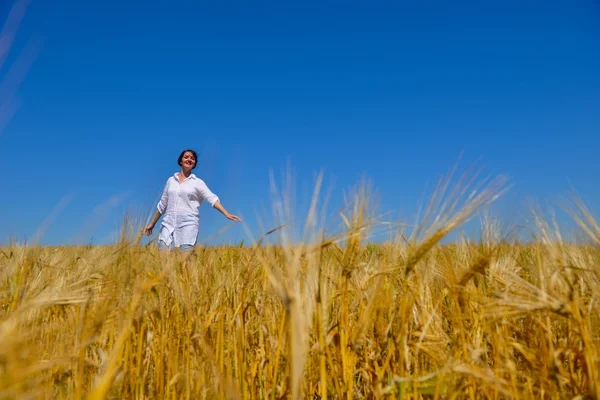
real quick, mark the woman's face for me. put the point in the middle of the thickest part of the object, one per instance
(188, 161)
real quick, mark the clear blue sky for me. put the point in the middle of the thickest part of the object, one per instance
(394, 90)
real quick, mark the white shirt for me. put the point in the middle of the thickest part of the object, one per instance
(179, 205)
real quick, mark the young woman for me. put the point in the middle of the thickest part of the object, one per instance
(179, 203)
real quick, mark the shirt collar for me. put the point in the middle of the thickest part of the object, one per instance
(176, 176)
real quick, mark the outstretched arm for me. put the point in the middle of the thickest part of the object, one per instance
(223, 211)
(213, 200)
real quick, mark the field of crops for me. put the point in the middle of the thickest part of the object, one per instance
(332, 318)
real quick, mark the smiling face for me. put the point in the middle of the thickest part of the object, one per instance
(187, 160)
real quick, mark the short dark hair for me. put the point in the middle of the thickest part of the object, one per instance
(180, 159)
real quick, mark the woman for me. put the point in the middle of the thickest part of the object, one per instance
(179, 203)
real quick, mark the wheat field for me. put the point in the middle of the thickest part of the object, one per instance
(332, 317)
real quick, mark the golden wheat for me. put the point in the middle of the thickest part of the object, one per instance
(469, 320)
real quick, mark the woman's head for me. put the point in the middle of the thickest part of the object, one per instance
(188, 158)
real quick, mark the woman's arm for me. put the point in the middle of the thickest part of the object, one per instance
(214, 201)
(160, 210)
(223, 211)
(150, 226)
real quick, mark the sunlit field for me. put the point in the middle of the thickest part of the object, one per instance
(331, 317)
(343, 304)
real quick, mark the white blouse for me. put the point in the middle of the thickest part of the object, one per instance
(179, 205)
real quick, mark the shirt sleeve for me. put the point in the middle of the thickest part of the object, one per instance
(206, 194)
(164, 199)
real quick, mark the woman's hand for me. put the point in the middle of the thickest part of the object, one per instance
(148, 229)
(233, 217)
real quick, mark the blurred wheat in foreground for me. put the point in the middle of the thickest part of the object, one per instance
(331, 318)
